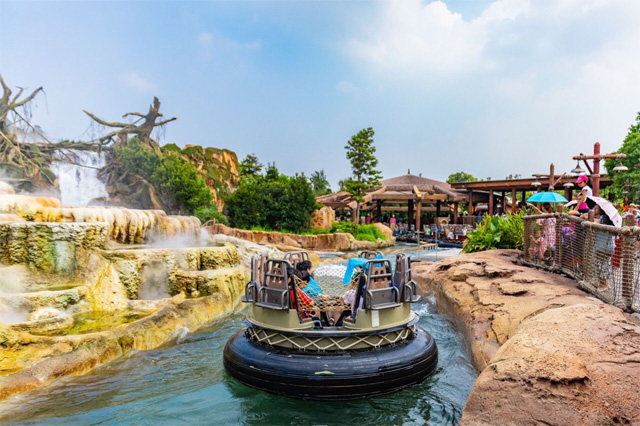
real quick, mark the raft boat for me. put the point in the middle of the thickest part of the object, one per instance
(353, 335)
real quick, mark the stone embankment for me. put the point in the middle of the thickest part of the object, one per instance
(322, 242)
(547, 352)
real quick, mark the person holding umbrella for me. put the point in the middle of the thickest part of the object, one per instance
(585, 191)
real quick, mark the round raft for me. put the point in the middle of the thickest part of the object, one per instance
(292, 347)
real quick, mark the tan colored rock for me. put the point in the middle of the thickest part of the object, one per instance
(384, 229)
(322, 242)
(323, 218)
(548, 352)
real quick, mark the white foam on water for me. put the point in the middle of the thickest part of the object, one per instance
(79, 185)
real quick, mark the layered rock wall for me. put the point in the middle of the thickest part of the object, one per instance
(548, 353)
(50, 247)
(321, 242)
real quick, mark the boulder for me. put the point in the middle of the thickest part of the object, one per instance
(384, 229)
(323, 218)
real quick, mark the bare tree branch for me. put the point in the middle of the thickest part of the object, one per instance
(105, 123)
(18, 95)
(162, 123)
(27, 99)
(134, 113)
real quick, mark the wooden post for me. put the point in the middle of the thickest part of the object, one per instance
(567, 193)
(596, 170)
(455, 213)
(559, 245)
(504, 202)
(418, 205)
(379, 209)
(514, 202)
(490, 212)
(628, 260)
(410, 214)
(471, 203)
(438, 209)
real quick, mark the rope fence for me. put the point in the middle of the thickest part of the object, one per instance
(603, 259)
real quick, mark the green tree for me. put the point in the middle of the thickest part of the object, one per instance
(174, 178)
(627, 184)
(319, 183)
(273, 201)
(460, 177)
(512, 176)
(364, 176)
(250, 167)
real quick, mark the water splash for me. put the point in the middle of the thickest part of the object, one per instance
(80, 185)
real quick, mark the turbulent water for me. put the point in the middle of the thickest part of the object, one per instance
(79, 185)
(186, 384)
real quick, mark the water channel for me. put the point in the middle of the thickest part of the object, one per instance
(185, 383)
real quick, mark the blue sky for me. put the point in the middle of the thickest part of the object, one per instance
(488, 87)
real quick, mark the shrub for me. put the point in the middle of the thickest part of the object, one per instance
(273, 201)
(211, 212)
(497, 233)
(359, 232)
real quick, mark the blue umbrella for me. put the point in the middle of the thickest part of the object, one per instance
(547, 197)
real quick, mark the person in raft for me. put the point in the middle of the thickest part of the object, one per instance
(585, 191)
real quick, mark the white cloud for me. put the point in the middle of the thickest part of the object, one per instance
(210, 42)
(134, 81)
(413, 36)
(345, 87)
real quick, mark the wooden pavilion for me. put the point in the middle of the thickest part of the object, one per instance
(494, 192)
(410, 193)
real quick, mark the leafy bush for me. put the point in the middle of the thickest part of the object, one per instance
(359, 232)
(273, 201)
(211, 212)
(497, 233)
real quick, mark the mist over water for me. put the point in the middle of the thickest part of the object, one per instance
(186, 384)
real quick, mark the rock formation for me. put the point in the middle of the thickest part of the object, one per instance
(323, 218)
(548, 352)
(321, 242)
(73, 296)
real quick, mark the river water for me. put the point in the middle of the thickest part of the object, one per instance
(185, 383)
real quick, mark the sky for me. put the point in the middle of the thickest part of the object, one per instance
(489, 87)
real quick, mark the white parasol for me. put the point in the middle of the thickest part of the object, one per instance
(607, 207)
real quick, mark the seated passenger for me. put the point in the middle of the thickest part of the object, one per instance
(304, 271)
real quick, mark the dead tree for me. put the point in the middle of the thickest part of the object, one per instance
(9, 104)
(143, 131)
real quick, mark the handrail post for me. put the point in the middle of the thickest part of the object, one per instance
(588, 253)
(628, 261)
(559, 245)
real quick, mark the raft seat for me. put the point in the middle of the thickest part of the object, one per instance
(274, 292)
(380, 292)
(258, 264)
(369, 254)
(295, 257)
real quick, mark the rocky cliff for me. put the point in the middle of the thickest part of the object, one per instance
(548, 353)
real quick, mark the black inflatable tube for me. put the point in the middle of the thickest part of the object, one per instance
(331, 376)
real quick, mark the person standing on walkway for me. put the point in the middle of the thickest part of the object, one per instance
(585, 191)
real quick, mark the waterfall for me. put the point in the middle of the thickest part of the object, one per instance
(79, 185)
